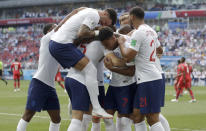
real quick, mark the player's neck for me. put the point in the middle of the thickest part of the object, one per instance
(138, 23)
(116, 45)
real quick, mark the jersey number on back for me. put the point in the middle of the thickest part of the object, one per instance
(16, 67)
(151, 56)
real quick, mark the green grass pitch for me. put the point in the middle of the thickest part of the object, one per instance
(182, 116)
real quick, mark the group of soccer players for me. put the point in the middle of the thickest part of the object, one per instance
(183, 80)
(83, 42)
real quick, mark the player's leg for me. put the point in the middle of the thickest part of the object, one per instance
(62, 86)
(125, 122)
(87, 118)
(180, 85)
(188, 88)
(96, 125)
(35, 101)
(175, 86)
(164, 122)
(151, 97)
(23, 122)
(18, 82)
(55, 120)
(1, 77)
(124, 97)
(80, 102)
(109, 123)
(69, 56)
(138, 119)
(14, 78)
(53, 108)
(110, 107)
(90, 73)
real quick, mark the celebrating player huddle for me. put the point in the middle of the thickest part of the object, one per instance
(80, 43)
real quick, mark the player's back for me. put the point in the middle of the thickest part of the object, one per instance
(146, 69)
(16, 66)
(47, 66)
(68, 31)
(186, 70)
(95, 52)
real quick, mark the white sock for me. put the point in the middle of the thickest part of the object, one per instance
(96, 127)
(157, 127)
(22, 125)
(109, 125)
(91, 83)
(75, 125)
(85, 122)
(140, 126)
(164, 122)
(125, 124)
(117, 124)
(54, 126)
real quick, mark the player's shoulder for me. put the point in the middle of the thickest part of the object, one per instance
(90, 11)
(47, 36)
(97, 45)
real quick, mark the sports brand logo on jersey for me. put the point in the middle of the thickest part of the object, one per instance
(133, 43)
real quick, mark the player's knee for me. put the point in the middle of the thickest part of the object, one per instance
(56, 119)
(137, 117)
(76, 114)
(152, 118)
(28, 115)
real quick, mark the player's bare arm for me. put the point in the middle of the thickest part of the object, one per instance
(115, 60)
(75, 11)
(127, 53)
(85, 35)
(159, 51)
(126, 70)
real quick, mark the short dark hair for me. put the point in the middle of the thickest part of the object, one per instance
(138, 12)
(112, 14)
(183, 59)
(47, 27)
(179, 61)
(105, 33)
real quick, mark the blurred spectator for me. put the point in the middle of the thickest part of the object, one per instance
(21, 43)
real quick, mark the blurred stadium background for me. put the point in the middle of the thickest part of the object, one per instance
(179, 23)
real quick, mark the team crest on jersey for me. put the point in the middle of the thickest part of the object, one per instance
(133, 43)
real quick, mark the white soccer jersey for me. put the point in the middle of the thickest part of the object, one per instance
(144, 41)
(100, 73)
(119, 80)
(68, 31)
(48, 66)
(95, 52)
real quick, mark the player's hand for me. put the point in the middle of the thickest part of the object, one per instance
(121, 40)
(108, 63)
